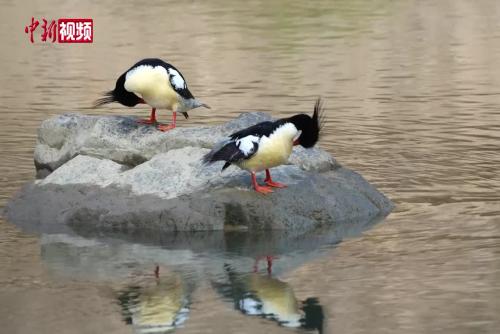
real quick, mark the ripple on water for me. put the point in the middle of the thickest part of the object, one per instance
(411, 90)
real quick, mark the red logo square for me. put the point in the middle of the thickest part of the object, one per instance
(75, 30)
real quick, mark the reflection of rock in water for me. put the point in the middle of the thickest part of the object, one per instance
(202, 255)
(223, 258)
(157, 307)
(256, 294)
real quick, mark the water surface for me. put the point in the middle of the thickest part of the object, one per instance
(413, 99)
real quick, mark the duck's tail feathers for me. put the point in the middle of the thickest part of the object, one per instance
(208, 158)
(224, 151)
(216, 154)
(107, 98)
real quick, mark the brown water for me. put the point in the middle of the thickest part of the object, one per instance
(413, 100)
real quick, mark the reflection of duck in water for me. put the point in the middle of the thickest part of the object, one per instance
(255, 294)
(156, 307)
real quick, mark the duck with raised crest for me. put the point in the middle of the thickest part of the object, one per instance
(268, 144)
(156, 83)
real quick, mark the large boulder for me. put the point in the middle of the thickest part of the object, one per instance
(109, 173)
(121, 139)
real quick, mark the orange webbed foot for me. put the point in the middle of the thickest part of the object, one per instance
(165, 127)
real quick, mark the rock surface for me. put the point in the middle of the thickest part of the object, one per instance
(109, 173)
(121, 139)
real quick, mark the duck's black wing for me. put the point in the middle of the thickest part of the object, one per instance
(242, 144)
(233, 150)
(259, 130)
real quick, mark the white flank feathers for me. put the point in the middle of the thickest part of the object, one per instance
(250, 306)
(273, 150)
(153, 85)
(176, 79)
(246, 144)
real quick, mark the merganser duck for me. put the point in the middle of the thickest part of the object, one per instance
(268, 144)
(156, 306)
(156, 83)
(254, 294)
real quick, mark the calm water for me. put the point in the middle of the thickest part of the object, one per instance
(413, 99)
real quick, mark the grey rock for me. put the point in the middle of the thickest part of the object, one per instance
(111, 174)
(149, 197)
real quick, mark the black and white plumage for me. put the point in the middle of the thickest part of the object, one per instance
(254, 294)
(156, 83)
(268, 144)
(156, 306)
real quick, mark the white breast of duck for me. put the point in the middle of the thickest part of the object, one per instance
(273, 150)
(159, 84)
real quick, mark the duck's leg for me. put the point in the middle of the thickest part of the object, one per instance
(269, 264)
(269, 259)
(258, 188)
(165, 127)
(151, 120)
(157, 271)
(271, 183)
